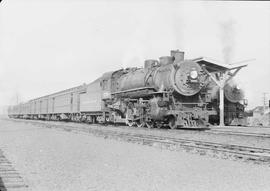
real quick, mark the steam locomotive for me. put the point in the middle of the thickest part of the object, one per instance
(234, 105)
(168, 92)
(171, 92)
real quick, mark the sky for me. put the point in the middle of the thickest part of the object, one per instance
(48, 46)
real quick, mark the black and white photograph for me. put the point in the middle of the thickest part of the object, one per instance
(134, 95)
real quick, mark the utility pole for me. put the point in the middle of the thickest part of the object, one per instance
(269, 113)
(264, 101)
(265, 107)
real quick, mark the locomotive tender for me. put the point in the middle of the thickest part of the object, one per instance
(170, 92)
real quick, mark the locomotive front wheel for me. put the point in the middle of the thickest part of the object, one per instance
(172, 123)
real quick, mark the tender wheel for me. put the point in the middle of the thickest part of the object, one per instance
(172, 123)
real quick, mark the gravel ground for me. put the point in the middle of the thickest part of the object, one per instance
(52, 159)
(186, 134)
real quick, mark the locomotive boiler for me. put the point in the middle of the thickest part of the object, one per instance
(164, 92)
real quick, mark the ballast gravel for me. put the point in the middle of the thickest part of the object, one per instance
(53, 159)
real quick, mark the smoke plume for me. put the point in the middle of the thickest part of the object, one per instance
(227, 30)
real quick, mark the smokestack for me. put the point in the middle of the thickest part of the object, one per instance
(178, 55)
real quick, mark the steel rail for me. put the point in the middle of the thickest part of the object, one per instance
(241, 133)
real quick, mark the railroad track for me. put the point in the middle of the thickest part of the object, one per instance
(246, 153)
(239, 133)
(211, 131)
(10, 179)
(208, 131)
(249, 153)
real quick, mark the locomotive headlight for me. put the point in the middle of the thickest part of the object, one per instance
(193, 74)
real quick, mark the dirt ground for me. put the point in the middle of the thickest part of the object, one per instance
(53, 159)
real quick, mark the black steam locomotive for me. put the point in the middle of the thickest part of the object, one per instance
(164, 93)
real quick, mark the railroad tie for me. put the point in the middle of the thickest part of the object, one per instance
(9, 178)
